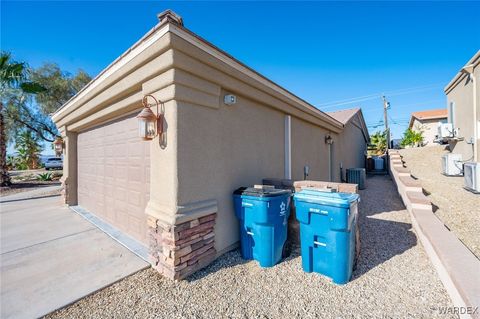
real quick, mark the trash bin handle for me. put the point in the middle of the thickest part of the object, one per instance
(247, 205)
(319, 243)
(249, 233)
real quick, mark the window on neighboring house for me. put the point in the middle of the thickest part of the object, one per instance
(451, 113)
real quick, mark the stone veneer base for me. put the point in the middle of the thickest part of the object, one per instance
(177, 251)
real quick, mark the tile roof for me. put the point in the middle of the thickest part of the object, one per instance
(431, 114)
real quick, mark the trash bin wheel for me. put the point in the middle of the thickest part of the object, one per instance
(286, 250)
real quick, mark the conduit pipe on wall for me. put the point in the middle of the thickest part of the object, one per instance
(288, 147)
(329, 162)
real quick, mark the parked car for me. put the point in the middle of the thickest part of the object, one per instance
(54, 163)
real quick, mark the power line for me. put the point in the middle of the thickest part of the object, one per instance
(377, 95)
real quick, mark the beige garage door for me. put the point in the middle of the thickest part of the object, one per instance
(114, 175)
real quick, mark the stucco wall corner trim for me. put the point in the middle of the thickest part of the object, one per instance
(165, 213)
(174, 215)
(195, 210)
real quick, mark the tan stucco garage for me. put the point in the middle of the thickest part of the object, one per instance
(209, 147)
(113, 175)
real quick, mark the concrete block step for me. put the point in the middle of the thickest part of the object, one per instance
(418, 200)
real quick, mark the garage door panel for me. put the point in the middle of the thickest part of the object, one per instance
(114, 175)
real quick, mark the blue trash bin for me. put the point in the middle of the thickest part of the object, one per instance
(327, 232)
(263, 216)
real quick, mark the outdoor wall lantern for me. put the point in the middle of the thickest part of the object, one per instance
(149, 124)
(58, 146)
(328, 139)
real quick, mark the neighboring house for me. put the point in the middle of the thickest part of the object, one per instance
(426, 122)
(351, 146)
(463, 96)
(177, 188)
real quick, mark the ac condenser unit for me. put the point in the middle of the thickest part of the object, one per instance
(452, 164)
(445, 130)
(357, 176)
(471, 173)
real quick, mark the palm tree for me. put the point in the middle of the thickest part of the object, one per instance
(379, 141)
(13, 76)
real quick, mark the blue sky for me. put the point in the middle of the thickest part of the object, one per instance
(321, 51)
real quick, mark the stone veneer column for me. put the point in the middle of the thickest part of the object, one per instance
(178, 251)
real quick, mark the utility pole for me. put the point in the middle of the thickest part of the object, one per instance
(386, 106)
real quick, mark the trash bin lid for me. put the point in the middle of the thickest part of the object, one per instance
(319, 197)
(259, 192)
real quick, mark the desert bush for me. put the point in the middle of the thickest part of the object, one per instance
(412, 138)
(45, 177)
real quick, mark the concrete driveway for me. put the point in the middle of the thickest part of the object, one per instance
(51, 257)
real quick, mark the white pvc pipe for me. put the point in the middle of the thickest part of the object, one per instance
(475, 121)
(288, 147)
(469, 69)
(329, 162)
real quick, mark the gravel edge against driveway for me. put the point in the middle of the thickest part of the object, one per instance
(43, 191)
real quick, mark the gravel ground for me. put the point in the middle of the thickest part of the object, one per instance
(456, 207)
(25, 186)
(394, 279)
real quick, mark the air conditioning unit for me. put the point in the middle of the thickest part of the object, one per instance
(471, 173)
(445, 130)
(357, 176)
(452, 164)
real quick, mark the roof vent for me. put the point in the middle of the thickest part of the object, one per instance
(170, 16)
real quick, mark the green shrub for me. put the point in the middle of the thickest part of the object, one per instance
(378, 142)
(11, 162)
(45, 177)
(412, 138)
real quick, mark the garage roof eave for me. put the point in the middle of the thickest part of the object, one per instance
(158, 30)
(475, 60)
(162, 28)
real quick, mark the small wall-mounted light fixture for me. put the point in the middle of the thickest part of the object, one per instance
(229, 99)
(149, 124)
(328, 139)
(58, 146)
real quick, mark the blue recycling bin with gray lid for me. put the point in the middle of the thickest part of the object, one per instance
(327, 232)
(263, 216)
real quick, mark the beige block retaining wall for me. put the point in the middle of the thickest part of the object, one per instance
(457, 267)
